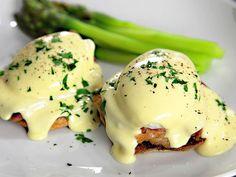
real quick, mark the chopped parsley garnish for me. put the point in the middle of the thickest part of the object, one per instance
(56, 61)
(66, 55)
(13, 66)
(112, 83)
(163, 74)
(66, 109)
(178, 81)
(181, 82)
(64, 59)
(64, 82)
(88, 130)
(28, 62)
(162, 67)
(50, 98)
(103, 106)
(29, 89)
(55, 39)
(83, 95)
(185, 87)
(52, 71)
(133, 79)
(1, 73)
(149, 80)
(85, 107)
(226, 118)
(82, 138)
(64, 105)
(196, 91)
(85, 83)
(41, 45)
(221, 104)
(18, 78)
(71, 66)
(149, 64)
(80, 93)
(169, 74)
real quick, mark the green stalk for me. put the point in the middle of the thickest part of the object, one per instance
(104, 19)
(201, 62)
(49, 15)
(78, 11)
(161, 39)
(114, 56)
(170, 41)
(109, 38)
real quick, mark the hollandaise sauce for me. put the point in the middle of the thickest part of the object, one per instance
(162, 88)
(53, 76)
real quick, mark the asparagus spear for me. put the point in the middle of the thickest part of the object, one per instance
(170, 41)
(162, 39)
(114, 56)
(39, 17)
(201, 62)
(47, 14)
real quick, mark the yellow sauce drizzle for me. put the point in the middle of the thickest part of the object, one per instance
(42, 81)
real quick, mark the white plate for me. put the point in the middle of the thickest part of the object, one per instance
(213, 20)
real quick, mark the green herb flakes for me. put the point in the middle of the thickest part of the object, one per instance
(85, 107)
(112, 83)
(65, 55)
(149, 65)
(103, 106)
(178, 81)
(13, 66)
(66, 109)
(29, 89)
(56, 39)
(64, 59)
(1, 73)
(185, 87)
(28, 62)
(133, 79)
(221, 104)
(85, 83)
(82, 138)
(64, 82)
(149, 80)
(41, 45)
(56, 61)
(81, 92)
(196, 90)
(52, 71)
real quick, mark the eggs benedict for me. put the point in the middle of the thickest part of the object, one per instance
(158, 102)
(50, 84)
